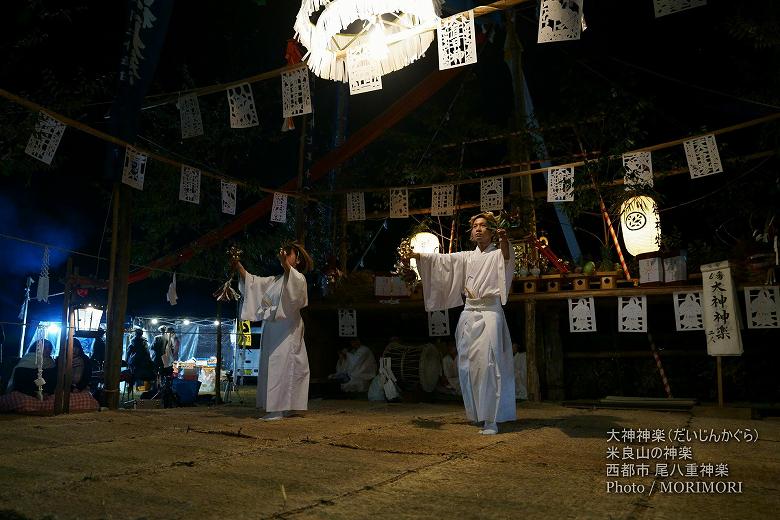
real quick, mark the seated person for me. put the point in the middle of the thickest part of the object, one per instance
(355, 368)
(81, 367)
(449, 383)
(139, 363)
(26, 371)
(521, 373)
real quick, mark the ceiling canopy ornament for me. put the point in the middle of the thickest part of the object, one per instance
(395, 32)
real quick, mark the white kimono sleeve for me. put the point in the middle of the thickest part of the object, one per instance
(443, 277)
(253, 288)
(294, 295)
(509, 274)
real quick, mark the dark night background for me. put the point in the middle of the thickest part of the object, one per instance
(643, 80)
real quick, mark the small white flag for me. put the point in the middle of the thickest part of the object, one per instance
(399, 202)
(702, 155)
(296, 93)
(364, 72)
(491, 196)
(189, 115)
(442, 200)
(688, 311)
(582, 315)
(762, 306)
(457, 40)
(638, 168)
(242, 107)
(279, 210)
(45, 138)
(134, 169)
(560, 184)
(664, 7)
(228, 197)
(347, 323)
(438, 323)
(189, 185)
(356, 206)
(559, 20)
(632, 314)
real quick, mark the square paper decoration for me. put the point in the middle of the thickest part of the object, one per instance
(664, 7)
(279, 210)
(688, 311)
(189, 187)
(442, 200)
(702, 155)
(347, 323)
(189, 115)
(364, 73)
(134, 169)
(632, 314)
(296, 94)
(356, 206)
(491, 195)
(45, 138)
(399, 202)
(242, 107)
(763, 307)
(560, 184)
(457, 41)
(638, 169)
(559, 20)
(582, 315)
(439, 323)
(228, 197)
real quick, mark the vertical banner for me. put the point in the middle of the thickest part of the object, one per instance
(721, 319)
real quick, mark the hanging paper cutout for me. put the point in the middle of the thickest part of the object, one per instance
(134, 169)
(172, 297)
(189, 186)
(491, 194)
(632, 314)
(356, 206)
(721, 318)
(457, 41)
(664, 7)
(279, 210)
(560, 184)
(189, 115)
(42, 295)
(442, 200)
(399, 202)
(702, 155)
(364, 72)
(45, 138)
(638, 170)
(582, 315)
(439, 323)
(228, 197)
(559, 20)
(296, 94)
(347, 323)
(762, 306)
(688, 311)
(242, 107)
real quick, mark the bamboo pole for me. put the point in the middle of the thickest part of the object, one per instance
(720, 381)
(218, 368)
(534, 392)
(62, 364)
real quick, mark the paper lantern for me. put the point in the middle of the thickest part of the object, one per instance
(423, 243)
(641, 225)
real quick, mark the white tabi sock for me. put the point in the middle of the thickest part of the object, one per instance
(273, 416)
(490, 428)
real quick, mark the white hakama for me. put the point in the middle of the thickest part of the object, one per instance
(485, 363)
(283, 382)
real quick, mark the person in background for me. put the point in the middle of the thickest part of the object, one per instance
(355, 368)
(99, 350)
(521, 372)
(26, 371)
(81, 367)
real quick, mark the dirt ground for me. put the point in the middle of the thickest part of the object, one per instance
(355, 459)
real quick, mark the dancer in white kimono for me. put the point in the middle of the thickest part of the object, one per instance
(484, 275)
(283, 383)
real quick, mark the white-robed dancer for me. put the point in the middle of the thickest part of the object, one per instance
(484, 276)
(283, 382)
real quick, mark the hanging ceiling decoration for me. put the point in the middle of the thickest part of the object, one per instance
(395, 32)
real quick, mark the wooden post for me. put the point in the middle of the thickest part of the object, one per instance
(343, 240)
(117, 291)
(217, 370)
(553, 356)
(534, 393)
(720, 382)
(300, 225)
(66, 344)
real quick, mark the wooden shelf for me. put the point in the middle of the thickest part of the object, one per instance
(603, 293)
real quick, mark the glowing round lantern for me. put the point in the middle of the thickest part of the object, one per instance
(423, 243)
(641, 225)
